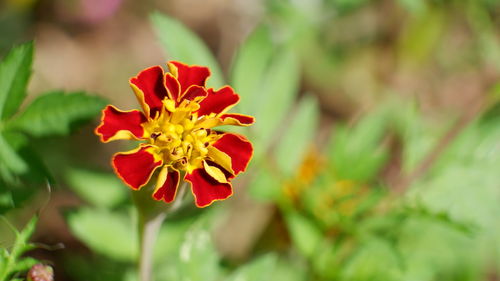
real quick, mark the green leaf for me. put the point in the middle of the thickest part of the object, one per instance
(198, 258)
(107, 233)
(10, 158)
(55, 113)
(414, 6)
(265, 185)
(250, 66)
(95, 268)
(170, 238)
(257, 270)
(471, 160)
(37, 172)
(486, 33)
(461, 187)
(279, 89)
(98, 188)
(15, 71)
(305, 235)
(25, 264)
(432, 250)
(7, 178)
(28, 230)
(422, 35)
(375, 260)
(289, 271)
(17, 187)
(300, 131)
(183, 45)
(9, 263)
(6, 201)
(357, 153)
(185, 242)
(345, 6)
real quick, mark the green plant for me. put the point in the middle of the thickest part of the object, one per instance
(12, 262)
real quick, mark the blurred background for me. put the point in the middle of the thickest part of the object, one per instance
(377, 141)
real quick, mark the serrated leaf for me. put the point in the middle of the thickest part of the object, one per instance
(298, 135)
(15, 71)
(440, 217)
(107, 233)
(249, 67)
(461, 186)
(54, 113)
(183, 45)
(98, 188)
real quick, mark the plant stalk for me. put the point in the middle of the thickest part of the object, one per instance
(151, 215)
(148, 231)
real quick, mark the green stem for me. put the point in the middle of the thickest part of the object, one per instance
(148, 231)
(151, 215)
(20, 246)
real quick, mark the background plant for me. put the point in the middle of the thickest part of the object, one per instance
(376, 148)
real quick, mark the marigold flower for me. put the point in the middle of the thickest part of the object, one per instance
(176, 127)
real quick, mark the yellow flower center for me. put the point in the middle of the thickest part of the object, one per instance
(177, 134)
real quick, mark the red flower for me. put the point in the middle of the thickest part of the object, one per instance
(176, 127)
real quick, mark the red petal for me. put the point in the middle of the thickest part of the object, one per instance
(136, 167)
(194, 92)
(150, 89)
(207, 190)
(116, 124)
(172, 86)
(237, 119)
(238, 148)
(169, 188)
(190, 75)
(219, 101)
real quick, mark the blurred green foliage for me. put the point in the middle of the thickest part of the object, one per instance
(355, 200)
(345, 221)
(50, 114)
(187, 46)
(12, 261)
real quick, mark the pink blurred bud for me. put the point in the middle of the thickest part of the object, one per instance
(40, 272)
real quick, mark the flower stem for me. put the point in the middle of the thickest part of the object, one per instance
(148, 231)
(151, 215)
